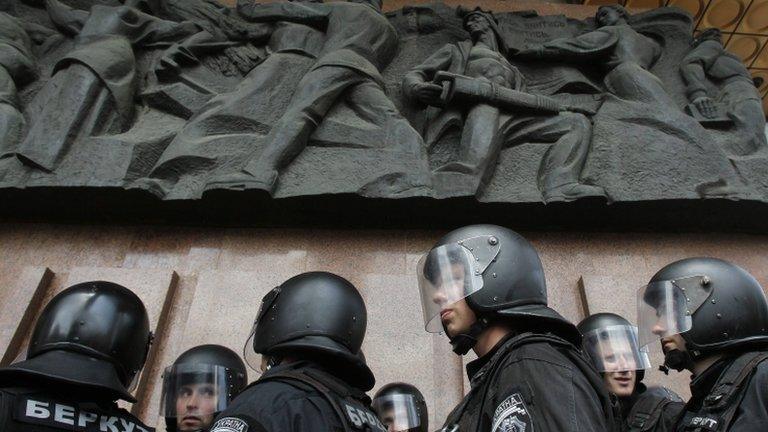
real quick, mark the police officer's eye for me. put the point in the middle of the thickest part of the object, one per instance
(185, 392)
(208, 392)
(610, 358)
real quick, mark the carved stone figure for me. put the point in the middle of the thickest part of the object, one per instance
(499, 117)
(16, 66)
(300, 99)
(625, 55)
(359, 43)
(219, 30)
(293, 48)
(737, 99)
(93, 86)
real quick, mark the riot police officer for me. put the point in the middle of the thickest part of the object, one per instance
(86, 351)
(308, 331)
(711, 318)
(199, 385)
(483, 285)
(611, 343)
(401, 408)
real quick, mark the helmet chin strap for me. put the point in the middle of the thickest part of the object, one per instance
(677, 360)
(464, 342)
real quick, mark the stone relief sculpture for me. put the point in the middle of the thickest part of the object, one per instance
(502, 114)
(625, 55)
(359, 43)
(180, 98)
(93, 86)
(736, 101)
(17, 65)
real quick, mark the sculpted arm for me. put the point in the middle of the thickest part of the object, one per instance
(417, 83)
(692, 69)
(586, 47)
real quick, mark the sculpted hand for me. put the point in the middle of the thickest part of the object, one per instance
(428, 93)
(706, 106)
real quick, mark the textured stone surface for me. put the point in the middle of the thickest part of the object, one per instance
(181, 134)
(20, 299)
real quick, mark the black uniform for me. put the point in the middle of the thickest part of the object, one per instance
(38, 409)
(299, 396)
(650, 409)
(532, 383)
(732, 395)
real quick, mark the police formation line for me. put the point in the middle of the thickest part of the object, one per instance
(482, 286)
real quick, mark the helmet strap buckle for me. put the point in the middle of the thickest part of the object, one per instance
(273, 361)
(464, 342)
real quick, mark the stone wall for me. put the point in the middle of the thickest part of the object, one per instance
(203, 285)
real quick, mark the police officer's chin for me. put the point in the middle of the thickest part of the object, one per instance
(622, 384)
(191, 423)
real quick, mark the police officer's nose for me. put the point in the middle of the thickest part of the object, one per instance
(439, 298)
(623, 364)
(659, 329)
(192, 402)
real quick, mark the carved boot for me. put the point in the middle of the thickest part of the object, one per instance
(572, 192)
(265, 179)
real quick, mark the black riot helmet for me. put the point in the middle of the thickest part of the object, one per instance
(316, 315)
(501, 278)
(401, 408)
(206, 371)
(713, 304)
(93, 334)
(611, 343)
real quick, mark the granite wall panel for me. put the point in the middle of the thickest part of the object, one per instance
(20, 298)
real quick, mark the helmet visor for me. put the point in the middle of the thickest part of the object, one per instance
(616, 349)
(664, 308)
(451, 272)
(195, 390)
(398, 412)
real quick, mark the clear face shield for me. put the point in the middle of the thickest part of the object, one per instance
(616, 349)
(664, 308)
(451, 272)
(398, 412)
(192, 392)
(252, 358)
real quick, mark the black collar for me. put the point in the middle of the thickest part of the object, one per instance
(479, 364)
(702, 385)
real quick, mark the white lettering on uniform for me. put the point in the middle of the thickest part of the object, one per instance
(86, 417)
(64, 414)
(127, 426)
(108, 424)
(37, 409)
